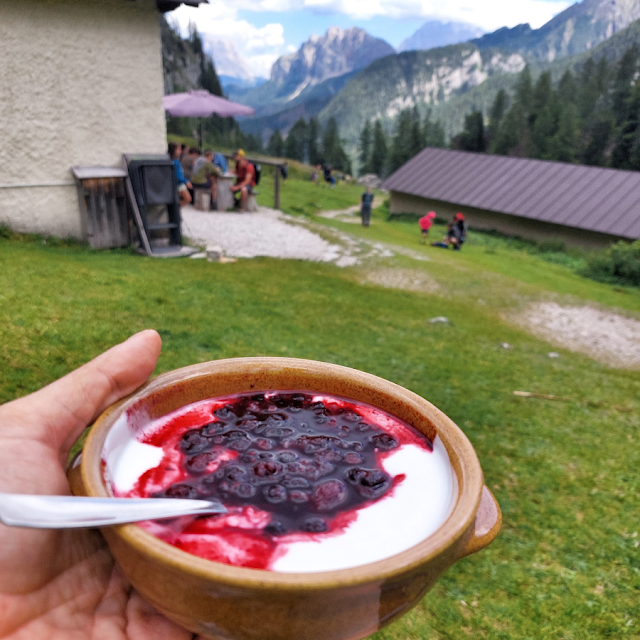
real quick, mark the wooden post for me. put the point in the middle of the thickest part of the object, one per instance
(276, 192)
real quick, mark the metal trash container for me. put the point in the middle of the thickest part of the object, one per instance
(103, 206)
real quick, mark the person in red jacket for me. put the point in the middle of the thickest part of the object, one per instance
(425, 224)
(245, 180)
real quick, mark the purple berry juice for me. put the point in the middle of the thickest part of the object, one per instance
(311, 482)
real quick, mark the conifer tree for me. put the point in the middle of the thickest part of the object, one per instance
(567, 88)
(512, 132)
(379, 150)
(433, 133)
(364, 149)
(417, 141)
(401, 146)
(625, 74)
(472, 137)
(625, 152)
(275, 146)
(524, 89)
(597, 143)
(496, 115)
(313, 132)
(295, 145)
(563, 145)
(332, 149)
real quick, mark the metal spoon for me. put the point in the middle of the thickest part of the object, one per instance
(72, 512)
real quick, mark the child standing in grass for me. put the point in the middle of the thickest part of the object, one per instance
(425, 224)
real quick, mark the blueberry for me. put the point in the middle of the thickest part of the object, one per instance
(235, 474)
(329, 494)
(265, 443)
(240, 445)
(213, 427)
(384, 441)
(314, 525)
(267, 469)
(275, 528)
(298, 496)
(225, 413)
(287, 456)
(181, 491)
(295, 483)
(245, 490)
(275, 493)
(194, 442)
(198, 463)
(353, 458)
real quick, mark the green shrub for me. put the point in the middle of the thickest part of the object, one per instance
(619, 264)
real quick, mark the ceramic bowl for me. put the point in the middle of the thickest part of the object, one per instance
(232, 603)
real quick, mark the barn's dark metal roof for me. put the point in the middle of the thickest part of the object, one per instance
(591, 198)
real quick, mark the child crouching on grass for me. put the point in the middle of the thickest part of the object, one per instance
(425, 224)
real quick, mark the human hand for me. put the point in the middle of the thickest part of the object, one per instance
(59, 584)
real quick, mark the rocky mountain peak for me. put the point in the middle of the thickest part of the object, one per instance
(337, 52)
(579, 28)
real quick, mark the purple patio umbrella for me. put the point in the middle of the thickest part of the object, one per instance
(202, 104)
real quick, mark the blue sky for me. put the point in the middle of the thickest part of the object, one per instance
(263, 30)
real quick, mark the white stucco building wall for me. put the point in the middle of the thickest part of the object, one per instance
(80, 84)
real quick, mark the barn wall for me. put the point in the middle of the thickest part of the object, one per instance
(80, 83)
(504, 223)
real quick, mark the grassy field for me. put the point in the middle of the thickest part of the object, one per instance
(567, 562)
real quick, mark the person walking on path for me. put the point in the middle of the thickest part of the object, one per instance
(425, 224)
(366, 201)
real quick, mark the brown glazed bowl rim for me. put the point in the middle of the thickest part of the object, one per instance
(469, 482)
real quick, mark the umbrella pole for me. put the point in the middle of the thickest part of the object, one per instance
(200, 141)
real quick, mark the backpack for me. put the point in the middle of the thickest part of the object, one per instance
(257, 170)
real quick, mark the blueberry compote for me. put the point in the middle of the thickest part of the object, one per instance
(288, 465)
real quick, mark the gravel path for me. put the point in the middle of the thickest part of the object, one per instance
(265, 233)
(607, 337)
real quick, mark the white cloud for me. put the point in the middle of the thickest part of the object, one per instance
(490, 14)
(259, 47)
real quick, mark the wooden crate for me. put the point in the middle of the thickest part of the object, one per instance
(103, 206)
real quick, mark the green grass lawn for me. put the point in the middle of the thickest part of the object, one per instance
(567, 562)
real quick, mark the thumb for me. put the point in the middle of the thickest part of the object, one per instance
(58, 413)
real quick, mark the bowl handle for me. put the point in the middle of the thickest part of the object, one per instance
(487, 525)
(74, 476)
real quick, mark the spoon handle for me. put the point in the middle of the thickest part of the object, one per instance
(71, 512)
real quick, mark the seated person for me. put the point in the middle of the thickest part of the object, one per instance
(328, 175)
(205, 174)
(246, 178)
(221, 162)
(183, 183)
(456, 234)
(188, 161)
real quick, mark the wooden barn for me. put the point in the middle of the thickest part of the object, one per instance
(534, 199)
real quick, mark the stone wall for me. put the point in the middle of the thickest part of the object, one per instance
(80, 84)
(502, 222)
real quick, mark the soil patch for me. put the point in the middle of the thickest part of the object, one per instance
(606, 337)
(405, 279)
